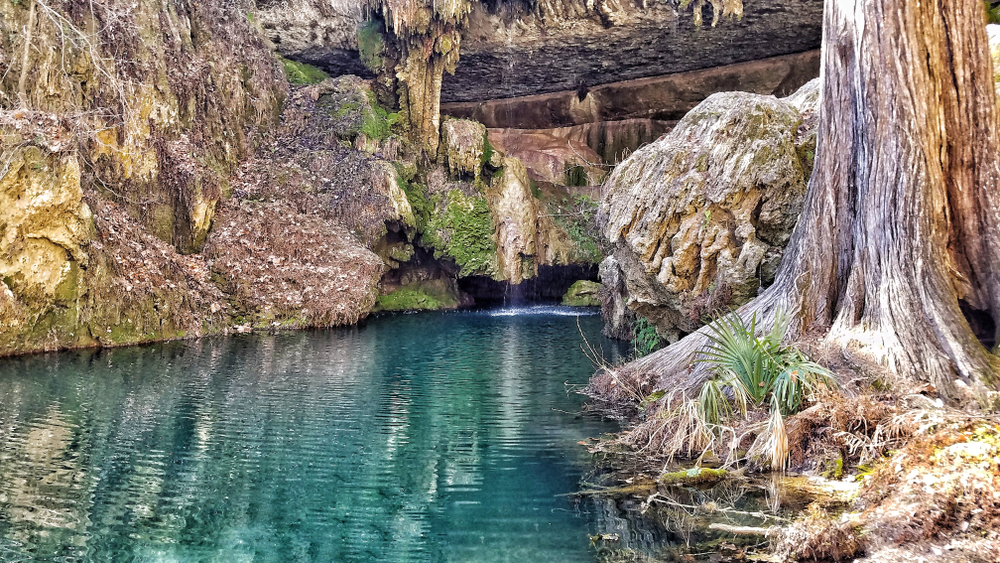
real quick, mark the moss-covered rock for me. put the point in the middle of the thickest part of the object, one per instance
(422, 295)
(462, 230)
(583, 294)
(302, 74)
(355, 109)
(693, 476)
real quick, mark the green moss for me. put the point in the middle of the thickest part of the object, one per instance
(302, 74)
(652, 398)
(694, 476)
(68, 288)
(421, 296)
(577, 176)
(416, 194)
(583, 293)
(535, 189)
(345, 109)
(834, 469)
(371, 45)
(464, 232)
(992, 14)
(376, 122)
(9, 282)
(487, 150)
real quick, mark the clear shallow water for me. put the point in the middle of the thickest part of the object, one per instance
(431, 437)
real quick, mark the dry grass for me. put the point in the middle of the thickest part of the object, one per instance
(937, 497)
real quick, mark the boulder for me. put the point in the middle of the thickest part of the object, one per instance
(699, 219)
(583, 293)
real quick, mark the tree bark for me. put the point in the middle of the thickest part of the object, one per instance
(902, 218)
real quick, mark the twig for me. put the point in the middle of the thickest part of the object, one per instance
(745, 530)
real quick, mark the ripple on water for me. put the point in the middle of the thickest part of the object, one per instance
(440, 437)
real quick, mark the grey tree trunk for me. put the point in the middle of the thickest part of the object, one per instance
(902, 218)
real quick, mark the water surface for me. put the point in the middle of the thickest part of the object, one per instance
(431, 437)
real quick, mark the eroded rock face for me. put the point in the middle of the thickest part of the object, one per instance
(79, 270)
(577, 44)
(486, 214)
(161, 110)
(511, 49)
(463, 147)
(515, 213)
(120, 148)
(549, 158)
(699, 219)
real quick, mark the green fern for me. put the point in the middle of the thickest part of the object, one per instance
(644, 338)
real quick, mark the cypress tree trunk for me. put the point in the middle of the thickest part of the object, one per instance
(902, 218)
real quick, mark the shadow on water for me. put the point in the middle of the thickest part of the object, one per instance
(674, 524)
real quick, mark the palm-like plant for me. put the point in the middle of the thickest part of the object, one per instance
(755, 368)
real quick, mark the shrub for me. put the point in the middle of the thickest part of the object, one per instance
(757, 368)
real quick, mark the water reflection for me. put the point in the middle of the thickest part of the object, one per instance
(439, 437)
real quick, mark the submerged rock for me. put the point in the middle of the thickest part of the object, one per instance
(582, 294)
(699, 219)
(693, 476)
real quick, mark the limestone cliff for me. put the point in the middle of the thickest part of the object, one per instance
(515, 48)
(699, 219)
(122, 121)
(131, 204)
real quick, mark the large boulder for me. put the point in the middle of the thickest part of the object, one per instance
(699, 219)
